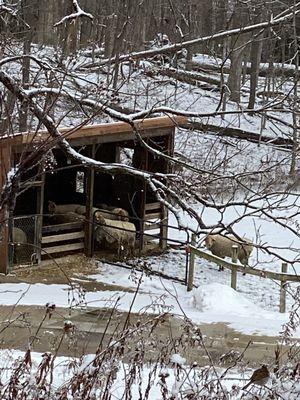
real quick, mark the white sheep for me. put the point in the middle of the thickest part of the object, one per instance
(119, 235)
(115, 213)
(19, 236)
(221, 246)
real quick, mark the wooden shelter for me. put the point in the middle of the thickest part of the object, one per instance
(69, 183)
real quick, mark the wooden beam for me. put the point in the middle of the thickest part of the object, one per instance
(62, 237)
(62, 248)
(163, 242)
(89, 227)
(152, 206)
(246, 270)
(40, 189)
(93, 131)
(117, 137)
(155, 215)
(282, 302)
(5, 165)
(62, 227)
(190, 282)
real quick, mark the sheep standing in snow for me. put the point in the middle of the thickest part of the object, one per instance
(221, 246)
(118, 235)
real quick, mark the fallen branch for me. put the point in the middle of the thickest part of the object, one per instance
(192, 78)
(238, 133)
(289, 13)
(264, 71)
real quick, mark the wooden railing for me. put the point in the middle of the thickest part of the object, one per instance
(62, 238)
(282, 277)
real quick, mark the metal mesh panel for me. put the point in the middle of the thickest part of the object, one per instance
(24, 245)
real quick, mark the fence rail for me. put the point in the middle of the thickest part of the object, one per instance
(282, 277)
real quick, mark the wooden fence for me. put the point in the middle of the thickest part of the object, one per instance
(282, 277)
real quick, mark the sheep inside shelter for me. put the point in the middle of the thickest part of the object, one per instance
(114, 234)
(59, 195)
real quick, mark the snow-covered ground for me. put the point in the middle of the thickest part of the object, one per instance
(211, 302)
(175, 378)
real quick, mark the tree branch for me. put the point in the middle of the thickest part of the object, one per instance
(77, 14)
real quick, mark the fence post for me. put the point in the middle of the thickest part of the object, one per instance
(282, 303)
(234, 270)
(191, 266)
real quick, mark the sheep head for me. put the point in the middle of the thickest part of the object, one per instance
(99, 218)
(209, 241)
(51, 207)
(122, 214)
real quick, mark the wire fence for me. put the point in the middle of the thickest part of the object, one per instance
(23, 243)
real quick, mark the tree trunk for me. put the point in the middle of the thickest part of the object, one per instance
(256, 50)
(293, 167)
(23, 114)
(236, 69)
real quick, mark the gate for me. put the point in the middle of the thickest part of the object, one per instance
(24, 246)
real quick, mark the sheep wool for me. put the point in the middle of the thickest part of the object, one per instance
(221, 246)
(116, 234)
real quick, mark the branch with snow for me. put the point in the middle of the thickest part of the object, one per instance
(157, 181)
(5, 9)
(280, 18)
(77, 14)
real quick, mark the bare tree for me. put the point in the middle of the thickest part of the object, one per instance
(216, 166)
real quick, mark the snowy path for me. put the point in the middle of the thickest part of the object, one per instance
(210, 303)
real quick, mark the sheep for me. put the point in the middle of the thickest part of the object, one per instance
(116, 234)
(68, 217)
(19, 238)
(115, 213)
(65, 208)
(111, 213)
(221, 246)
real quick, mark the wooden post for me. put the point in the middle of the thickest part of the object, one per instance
(191, 266)
(89, 226)
(282, 304)
(5, 165)
(163, 241)
(234, 270)
(40, 212)
(144, 166)
(169, 145)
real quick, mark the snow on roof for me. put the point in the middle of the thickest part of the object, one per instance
(92, 131)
